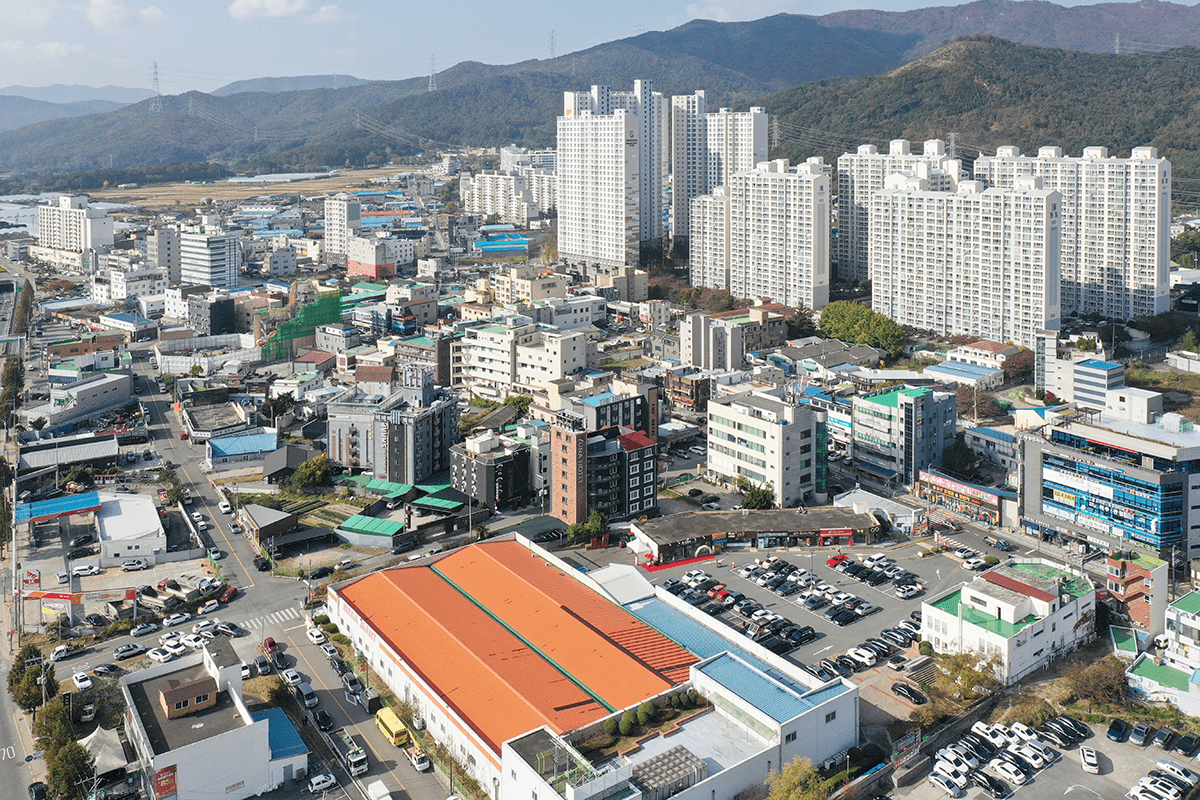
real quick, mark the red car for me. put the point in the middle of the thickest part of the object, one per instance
(716, 590)
(269, 645)
(839, 558)
(229, 593)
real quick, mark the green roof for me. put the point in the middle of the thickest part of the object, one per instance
(438, 502)
(1142, 559)
(1189, 603)
(951, 605)
(418, 341)
(893, 398)
(1124, 639)
(1066, 581)
(369, 287)
(371, 526)
(1161, 674)
(388, 487)
(493, 328)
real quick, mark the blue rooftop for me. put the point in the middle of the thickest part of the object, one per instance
(58, 507)
(1095, 363)
(123, 317)
(992, 433)
(781, 702)
(961, 368)
(601, 399)
(282, 737)
(246, 444)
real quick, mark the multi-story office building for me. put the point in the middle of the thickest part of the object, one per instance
(493, 469)
(1092, 478)
(377, 257)
(769, 235)
(504, 195)
(210, 259)
(771, 442)
(343, 220)
(706, 343)
(1116, 215)
(611, 167)
(162, 249)
(612, 470)
(899, 432)
(211, 314)
(516, 354)
(972, 262)
(1026, 614)
(405, 438)
(863, 173)
(72, 225)
(526, 284)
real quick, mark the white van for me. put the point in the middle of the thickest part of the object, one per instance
(873, 560)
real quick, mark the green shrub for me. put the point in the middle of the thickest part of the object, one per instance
(330, 628)
(321, 619)
(674, 699)
(645, 713)
(991, 561)
(926, 648)
(341, 638)
(612, 726)
(628, 720)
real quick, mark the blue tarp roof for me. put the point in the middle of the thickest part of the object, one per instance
(992, 433)
(961, 368)
(58, 507)
(1096, 363)
(282, 737)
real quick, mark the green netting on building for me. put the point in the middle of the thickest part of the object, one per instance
(325, 310)
(370, 526)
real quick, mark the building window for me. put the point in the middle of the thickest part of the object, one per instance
(202, 699)
(830, 717)
(791, 737)
(182, 704)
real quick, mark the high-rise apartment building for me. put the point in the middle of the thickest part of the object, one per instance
(708, 148)
(502, 194)
(706, 343)
(611, 163)
(1116, 217)
(974, 262)
(162, 248)
(513, 157)
(863, 173)
(343, 220)
(73, 225)
(209, 259)
(766, 235)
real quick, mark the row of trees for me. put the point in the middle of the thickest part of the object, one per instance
(852, 322)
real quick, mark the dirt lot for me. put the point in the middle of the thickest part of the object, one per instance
(188, 195)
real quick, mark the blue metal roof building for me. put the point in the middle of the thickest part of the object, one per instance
(772, 697)
(43, 510)
(243, 445)
(282, 737)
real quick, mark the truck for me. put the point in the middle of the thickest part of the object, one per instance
(416, 757)
(160, 601)
(1000, 544)
(377, 790)
(170, 587)
(349, 751)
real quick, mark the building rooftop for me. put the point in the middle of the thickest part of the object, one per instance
(171, 734)
(778, 700)
(42, 510)
(1048, 577)
(892, 398)
(512, 642)
(1095, 363)
(992, 433)
(951, 605)
(262, 515)
(991, 347)
(245, 444)
(1189, 603)
(698, 524)
(961, 369)
(601, 399)
(282, 737)
(70, 454)
(1138, 557)
(127, 516)
(214, 417)
(1160, 674)
(635, 440)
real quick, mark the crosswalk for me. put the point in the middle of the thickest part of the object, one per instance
(274, 618)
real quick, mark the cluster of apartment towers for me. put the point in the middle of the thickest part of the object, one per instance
(1000, 257)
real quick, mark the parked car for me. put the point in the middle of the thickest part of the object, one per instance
(1164, 739)
(1118, 729)
(128, 651)
(908, 693)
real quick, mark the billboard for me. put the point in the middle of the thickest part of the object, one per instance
(31, 577)
(164, 782)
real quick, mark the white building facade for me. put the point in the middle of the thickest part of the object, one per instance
(503, 194)
(343, 220)
(210, 259)
(71, 224)
(1116, 215)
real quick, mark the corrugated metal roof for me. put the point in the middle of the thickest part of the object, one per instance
(71, 454)
(282, 737)
(371, 526)
(227, 446)
(58, 507)
(779, 702)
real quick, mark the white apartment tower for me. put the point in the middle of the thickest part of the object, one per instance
(766, 235)
(975, 262)
(73, 225)
(1116, 216)
(708, 148)
(209, 259)
(503, 194)
(611, 163)
(863, 173)
(343, 220)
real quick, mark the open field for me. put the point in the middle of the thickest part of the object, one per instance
(189, 195)
(1181, 392)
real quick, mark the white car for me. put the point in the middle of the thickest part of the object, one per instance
(939, 782)
(82, 681)
(85, 569)
(206, 625)
(956, 776)
(143, 629)
(201, 525)
(954, 759)
(197, 516)
(161, 655)
(135, 565)
(711, 506)
(315, 636)
(1009, 736)
(329, 650)
(291, 677)
(215, 553)
(1007, 771)
(321, 783)
(1156, 785)
(907, 591)
(964, 754)
(246, 672)
(1029, 754)
(176, 619)
(175, 648)
(171, 637)
(974, 564)
(192, 640)
(693, 574)
(1024, 731)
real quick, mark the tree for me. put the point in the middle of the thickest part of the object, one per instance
(1101, 682)
(196, 371)
(278, 406)
(1019, 365)
(958, 459)
(972, 403)
(799, 780)
(481, 531)
(520, 402)
(742, 484)
(23, 678)
(595, 524)
(38, 423)
(69, 771)
(1085, 344)
(856, 323)
(1190, 342)
(312, 473)
(973, 673)
(801, 323)
(759, 497)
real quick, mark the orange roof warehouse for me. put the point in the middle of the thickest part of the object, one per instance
(513, 658)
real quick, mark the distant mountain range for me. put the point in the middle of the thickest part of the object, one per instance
(16, 112)
(76, 93)
(285, 123)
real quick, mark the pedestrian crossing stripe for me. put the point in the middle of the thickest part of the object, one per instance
(273, 618)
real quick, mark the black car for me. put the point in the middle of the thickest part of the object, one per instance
(981, 744)
(915, 616)
(854, 569)
(877, 578)
(1081, 731)
(787, 588)
(81, 552)
(1118, 729)
(352, 684)
(671, 583)
(676, 589)
(802, 635)
(1053, 736)
(846, 662)
(321, 719)
(279, 659)
(1164, 739)
(1188, 744)
(712, 609)
(992, 786)
(834, 611)
(1016, 761)
(884, 648)
(844, 618)
(695, 492)
(261, 564)
(908, 693)
(829, 665)
(975, 750)
(779, 647)
(37, 791)
(710, 498)
(95, 620)
(320, 572)
(107, 669)
(1064, 728)
(80, 541)
(339, 666)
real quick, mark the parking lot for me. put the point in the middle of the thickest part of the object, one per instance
(1121, 765)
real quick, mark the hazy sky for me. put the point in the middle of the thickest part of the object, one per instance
(204, 44)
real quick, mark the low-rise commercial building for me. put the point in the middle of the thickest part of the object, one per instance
(899, 432)
(1138, 584)
(1022, 615)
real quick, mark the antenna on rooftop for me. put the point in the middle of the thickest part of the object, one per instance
(552, 44)
(156, 100)
(433, 73)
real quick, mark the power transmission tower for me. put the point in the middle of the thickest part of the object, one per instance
(191, 106)
(1118, 47)
(574, 65)
(775, 132)
(156, 100)
(433, 73)
(551, 44)
(952, 150)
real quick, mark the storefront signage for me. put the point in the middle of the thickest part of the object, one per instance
(164, 782)
(32, 577)
(961, 488)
